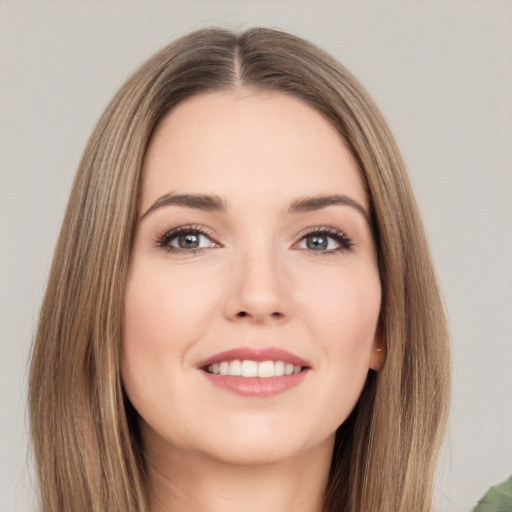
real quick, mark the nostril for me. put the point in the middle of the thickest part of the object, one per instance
(244, 314)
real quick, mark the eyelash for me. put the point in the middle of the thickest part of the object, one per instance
(165, 239)
(339, 236)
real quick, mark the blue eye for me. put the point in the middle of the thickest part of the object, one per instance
(326, 240)
(318, 243)
(190, 241)
(185, 239)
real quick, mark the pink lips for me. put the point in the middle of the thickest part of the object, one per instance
(255, 354)
(256, 386)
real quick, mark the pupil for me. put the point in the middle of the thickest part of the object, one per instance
(188, 241)
(317, 242)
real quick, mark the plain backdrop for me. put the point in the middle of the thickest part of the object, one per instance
(441, 71)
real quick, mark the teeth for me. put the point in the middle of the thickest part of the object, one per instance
(235, 368)
(249, 368)
(266, 369)
(278, 368)
(223, 368)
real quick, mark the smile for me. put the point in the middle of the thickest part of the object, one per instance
(250, 368)
(255, 371)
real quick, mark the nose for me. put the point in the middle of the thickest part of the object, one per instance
(258, 289)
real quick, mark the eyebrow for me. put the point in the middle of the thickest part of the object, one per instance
(212, 203)
(203, 202)
(314, 203)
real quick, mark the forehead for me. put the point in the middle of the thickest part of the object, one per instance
(236, 143)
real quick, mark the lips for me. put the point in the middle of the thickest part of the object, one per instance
(251, 368)
(257, 354)
(255, 371)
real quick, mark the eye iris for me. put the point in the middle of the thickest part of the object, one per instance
(188, 241)
(317, 242)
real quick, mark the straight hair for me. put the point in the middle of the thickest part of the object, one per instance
(84, 430)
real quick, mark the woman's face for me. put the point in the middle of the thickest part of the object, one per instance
(254, 257)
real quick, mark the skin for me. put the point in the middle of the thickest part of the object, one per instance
(254, 281)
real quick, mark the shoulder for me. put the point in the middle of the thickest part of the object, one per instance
(497, 499)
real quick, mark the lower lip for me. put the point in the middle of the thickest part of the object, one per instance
(257, 386)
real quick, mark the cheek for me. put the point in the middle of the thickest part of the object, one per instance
(164, 309)
(342, 318)
(345, 309)
(164, 315)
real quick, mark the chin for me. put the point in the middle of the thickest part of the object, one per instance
(267, 446)
(257, 454)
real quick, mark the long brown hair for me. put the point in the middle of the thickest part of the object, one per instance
(83, 428)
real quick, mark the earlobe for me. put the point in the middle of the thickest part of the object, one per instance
(377, 358)
(378, 355)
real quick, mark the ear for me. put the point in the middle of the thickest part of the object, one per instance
(378, 354)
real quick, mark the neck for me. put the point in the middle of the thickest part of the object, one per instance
(195, 482)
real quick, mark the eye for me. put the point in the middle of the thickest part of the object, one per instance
(186, 239)
(327, 240)
(190, 241)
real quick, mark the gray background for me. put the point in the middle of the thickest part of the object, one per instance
(441, 71)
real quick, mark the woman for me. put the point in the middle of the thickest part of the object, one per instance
(242, 310)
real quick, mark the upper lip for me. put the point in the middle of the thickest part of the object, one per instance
(255, 354)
